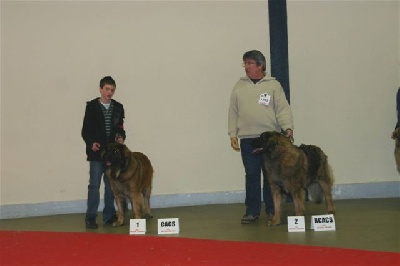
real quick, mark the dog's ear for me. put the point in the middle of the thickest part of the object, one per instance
(267, 135)
(272, 143)
(125, 154)
(264, 136)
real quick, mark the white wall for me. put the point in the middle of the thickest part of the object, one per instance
(344, 67)
(175, 63)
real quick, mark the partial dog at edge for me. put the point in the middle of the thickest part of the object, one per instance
(131, 175)
(292, 169)
(396, 136)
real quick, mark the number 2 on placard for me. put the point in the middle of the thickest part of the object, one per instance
(296, 221)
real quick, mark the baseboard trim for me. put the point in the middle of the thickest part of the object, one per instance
(346, 191)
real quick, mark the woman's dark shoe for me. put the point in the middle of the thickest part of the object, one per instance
(91, 224)
(248, 218)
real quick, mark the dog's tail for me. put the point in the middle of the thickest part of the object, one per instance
(325, 176)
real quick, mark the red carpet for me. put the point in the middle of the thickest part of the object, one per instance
(54, 248)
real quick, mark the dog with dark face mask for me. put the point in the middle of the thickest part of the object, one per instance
(130, 175)
(291, 169)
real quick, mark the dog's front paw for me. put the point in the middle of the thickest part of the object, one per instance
(117, 223)
(274, 221)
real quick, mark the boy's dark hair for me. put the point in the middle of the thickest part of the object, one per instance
(256, 56)
(108, 80)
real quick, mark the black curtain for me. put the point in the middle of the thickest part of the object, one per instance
(279, 43)
(278, 39)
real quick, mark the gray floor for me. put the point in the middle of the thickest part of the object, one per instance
(368, 224)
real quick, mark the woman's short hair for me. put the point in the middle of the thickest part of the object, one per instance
(256, 56)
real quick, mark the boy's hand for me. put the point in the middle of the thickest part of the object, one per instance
(96, 146)
(119, 139)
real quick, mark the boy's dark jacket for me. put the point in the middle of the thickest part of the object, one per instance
(93, 129)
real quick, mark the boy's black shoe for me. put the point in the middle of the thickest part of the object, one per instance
(112, 220)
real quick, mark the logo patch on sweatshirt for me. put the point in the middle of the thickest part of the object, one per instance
(265, 99)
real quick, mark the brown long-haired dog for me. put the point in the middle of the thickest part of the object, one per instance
(131, 175)
(396, 136)
(292, 169)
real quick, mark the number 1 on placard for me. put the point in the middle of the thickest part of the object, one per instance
(137, 226)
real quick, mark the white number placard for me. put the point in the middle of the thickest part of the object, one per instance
(168, 226)
(296, 224)
(323, 222)
(137, 227)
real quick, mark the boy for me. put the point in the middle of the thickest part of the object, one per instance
(102, 124)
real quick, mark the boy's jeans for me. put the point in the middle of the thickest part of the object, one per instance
(96, 172)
